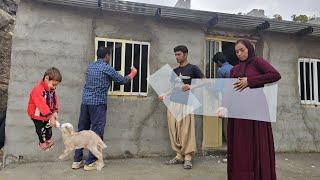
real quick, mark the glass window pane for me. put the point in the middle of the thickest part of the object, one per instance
(308, 81)
(128, 64)
(312, 83)
(117, 63)
(144, 68)
(302, 80)
(136, 63)
(101, 44)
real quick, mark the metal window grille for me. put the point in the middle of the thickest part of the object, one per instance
(124, 55)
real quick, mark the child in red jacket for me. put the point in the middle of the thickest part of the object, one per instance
(43, 107)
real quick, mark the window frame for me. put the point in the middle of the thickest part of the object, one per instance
(315, 89)
(122, 72)
(217, 41)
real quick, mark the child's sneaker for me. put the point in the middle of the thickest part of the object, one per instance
(43, 146)
(50, 143)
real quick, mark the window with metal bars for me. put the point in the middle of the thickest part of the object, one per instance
(308, 80)
(126, 54)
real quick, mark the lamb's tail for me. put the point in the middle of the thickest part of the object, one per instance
(101, 145)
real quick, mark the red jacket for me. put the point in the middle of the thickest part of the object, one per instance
(42, 102)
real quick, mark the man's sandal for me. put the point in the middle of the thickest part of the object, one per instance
(174, 161)
(187, 164)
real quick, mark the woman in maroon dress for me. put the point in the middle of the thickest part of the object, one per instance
(251, 154)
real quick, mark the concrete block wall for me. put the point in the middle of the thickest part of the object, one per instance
(51, 35)
(297, 126)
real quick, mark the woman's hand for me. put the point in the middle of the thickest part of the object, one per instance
(241, 84)
(185, 87)
(222, 112)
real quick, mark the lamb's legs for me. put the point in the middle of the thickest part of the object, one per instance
(99, 156)
(65, 153)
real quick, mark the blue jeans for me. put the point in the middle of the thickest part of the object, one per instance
(92, 117)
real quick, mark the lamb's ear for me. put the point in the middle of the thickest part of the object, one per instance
(69, 129)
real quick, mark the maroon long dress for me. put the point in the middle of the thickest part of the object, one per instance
(251, 154)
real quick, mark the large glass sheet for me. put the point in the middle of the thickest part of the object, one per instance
(166, 83)
(219, 98)
(214, 97)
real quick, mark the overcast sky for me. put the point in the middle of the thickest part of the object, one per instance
(285, 8)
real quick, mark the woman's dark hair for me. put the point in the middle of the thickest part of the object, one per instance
(249, 46)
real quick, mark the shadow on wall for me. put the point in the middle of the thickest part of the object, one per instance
(8, 10)
(2, 129)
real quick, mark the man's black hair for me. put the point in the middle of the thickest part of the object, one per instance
(102, 52)
(181, 48)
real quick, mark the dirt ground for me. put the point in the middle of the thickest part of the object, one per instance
(289, 167)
